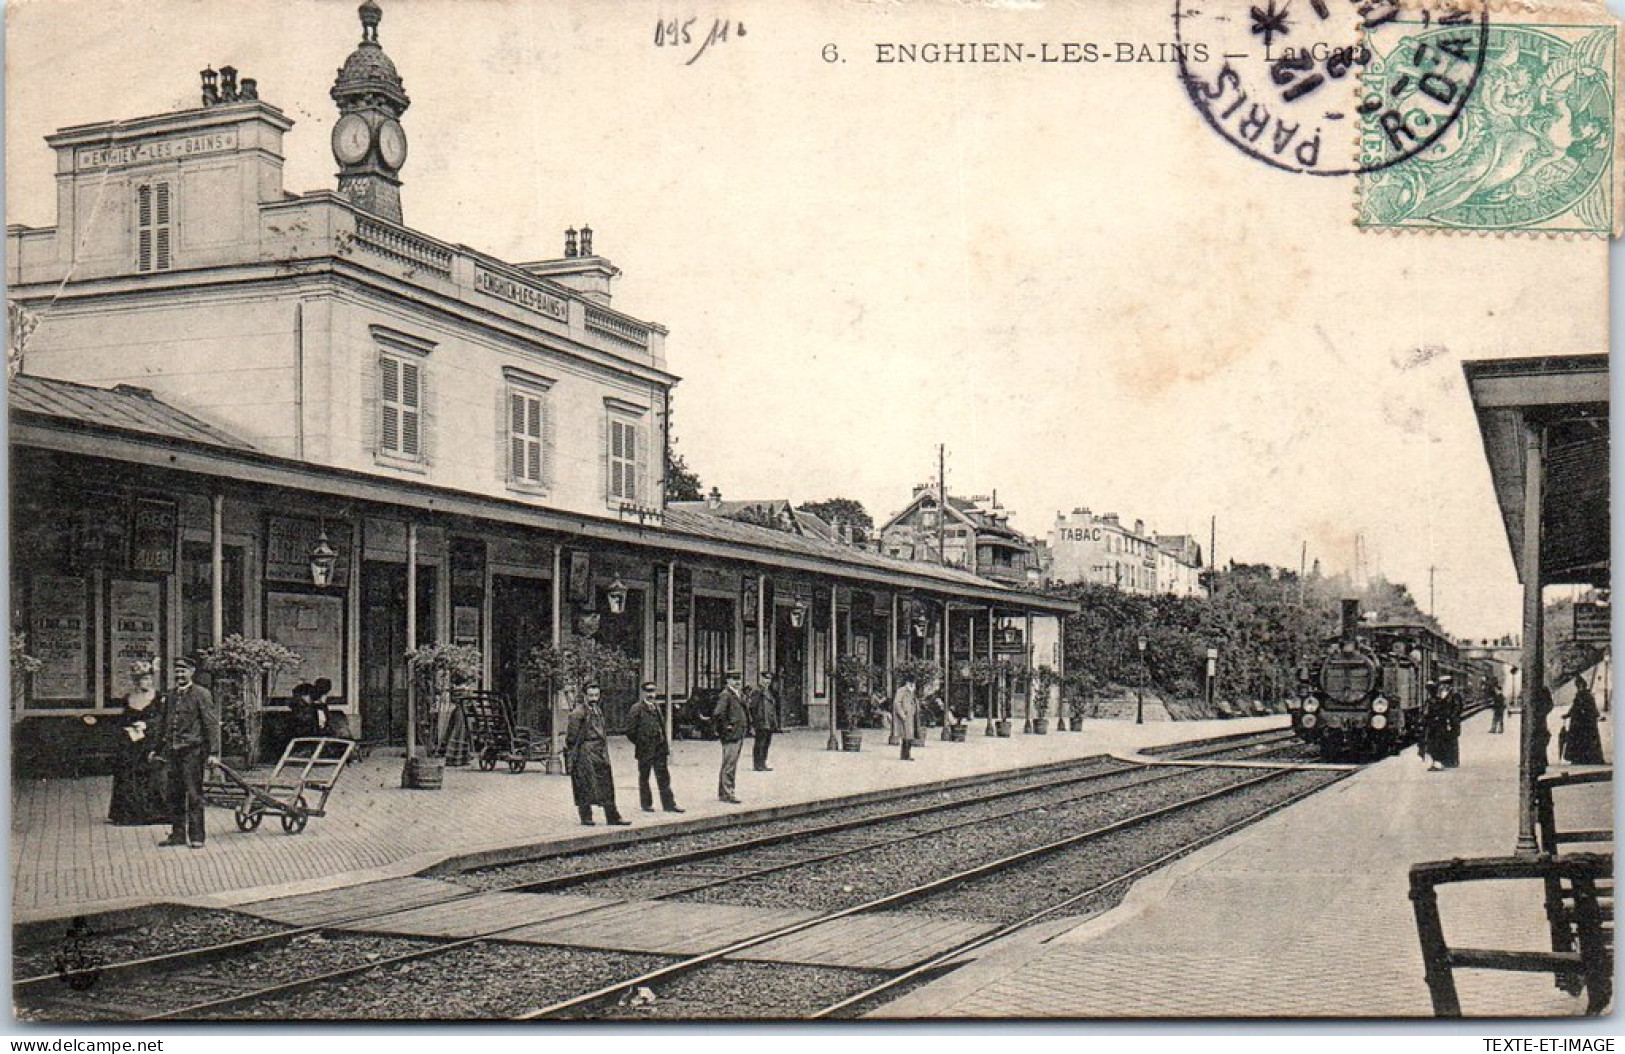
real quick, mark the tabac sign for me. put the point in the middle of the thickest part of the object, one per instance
(95, 157)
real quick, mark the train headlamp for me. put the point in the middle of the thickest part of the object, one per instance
(1379, 705)
(1379, 722)
(1309, 721)
(1311, 705)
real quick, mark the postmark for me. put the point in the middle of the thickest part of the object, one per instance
(1532, 151)
(1289, 83)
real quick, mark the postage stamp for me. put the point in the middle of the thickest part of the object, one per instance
(1531, 150)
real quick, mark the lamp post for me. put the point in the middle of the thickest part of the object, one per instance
(1139, 694)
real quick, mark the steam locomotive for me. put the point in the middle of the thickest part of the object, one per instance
(1365, 698)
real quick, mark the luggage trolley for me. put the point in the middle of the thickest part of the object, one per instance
(296, 790)
(494, 737)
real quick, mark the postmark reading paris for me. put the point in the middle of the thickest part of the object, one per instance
(1289, 84)
(1532, 150)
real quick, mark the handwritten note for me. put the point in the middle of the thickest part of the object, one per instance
(683, 33)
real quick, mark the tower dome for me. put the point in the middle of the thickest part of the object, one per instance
(368, 75)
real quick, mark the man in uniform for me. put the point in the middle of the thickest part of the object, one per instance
(646, 728)
(586, 748)
(731, 719)
(189, 740)
(764, 712)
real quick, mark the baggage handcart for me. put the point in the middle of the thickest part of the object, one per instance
(296, 790)
(494, 737)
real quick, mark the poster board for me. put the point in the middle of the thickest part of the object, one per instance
(59, 636)
(135, 621)
(311, 625)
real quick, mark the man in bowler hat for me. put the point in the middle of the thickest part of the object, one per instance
(646, 728)
(189, 740)
(731, 719)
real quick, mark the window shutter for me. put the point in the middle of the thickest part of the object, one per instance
(411, 410)
(143, 223)
(161, 227)
(603, 456)
(423, 394)
(389, 424)
(549, 442)
(505, 434)
(642, 486)
(533, 430)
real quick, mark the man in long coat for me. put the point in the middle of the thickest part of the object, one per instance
(646, 728)
(189, 740)
(731, 719)
(764, 714)
(905, 710)
(586, 749)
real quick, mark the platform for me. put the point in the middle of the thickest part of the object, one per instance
(67, 860)
(1304, 915)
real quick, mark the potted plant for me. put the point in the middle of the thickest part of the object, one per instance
(1043, 682)
(854, 682)
(437, 670)
(23, 665)
(572, 665)
(245, 670)
(1075, 689)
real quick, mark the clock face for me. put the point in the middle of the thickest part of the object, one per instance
(352, 137)
(392, 144)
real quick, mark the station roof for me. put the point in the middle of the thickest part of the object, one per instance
(124, 407)
(1565, 397)
(130, 425)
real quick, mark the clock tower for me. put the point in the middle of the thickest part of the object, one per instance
(368, 141)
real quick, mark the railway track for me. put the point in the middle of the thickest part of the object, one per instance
(685, 873)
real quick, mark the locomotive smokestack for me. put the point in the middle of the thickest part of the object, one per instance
(1351, 617)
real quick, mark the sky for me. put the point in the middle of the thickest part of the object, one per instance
(1062, 273)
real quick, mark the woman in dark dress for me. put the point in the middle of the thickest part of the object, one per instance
(138, 784)
(1584, 738)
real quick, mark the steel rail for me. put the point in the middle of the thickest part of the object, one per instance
(943, 958)
(666, 973)
(1110, 767)
(286, 987)
(228, 949)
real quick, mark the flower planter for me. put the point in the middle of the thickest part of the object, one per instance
(851, 741)
(1040, 726)
(1002, 729)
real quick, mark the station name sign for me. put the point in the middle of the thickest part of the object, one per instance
(527, 296)
(156, 150)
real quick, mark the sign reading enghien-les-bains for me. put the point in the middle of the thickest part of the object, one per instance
(157, 150)
(522, 294)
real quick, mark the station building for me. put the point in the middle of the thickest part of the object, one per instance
(237, 409)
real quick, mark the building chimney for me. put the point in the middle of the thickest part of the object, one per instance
(586, 240)
(1139, 527)
(713, 500)
(570, 243)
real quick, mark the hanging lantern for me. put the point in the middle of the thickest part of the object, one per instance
(798, 614)
(616, 597)
(323, 559)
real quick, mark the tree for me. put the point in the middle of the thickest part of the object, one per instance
(843, 510)
(682, 482)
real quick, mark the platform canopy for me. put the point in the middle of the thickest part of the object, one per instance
(1565, 400)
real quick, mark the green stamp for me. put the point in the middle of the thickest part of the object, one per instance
(1532, 149)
